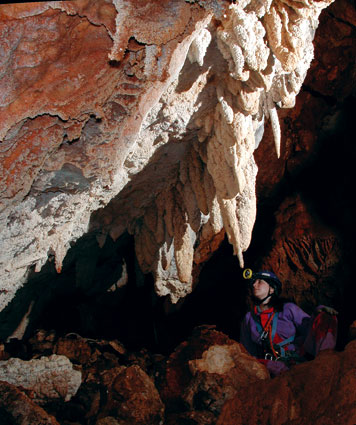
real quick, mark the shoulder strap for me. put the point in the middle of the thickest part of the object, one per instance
(274, 324)
(265, 331)
(283, 343)
(260, 330)
(257, 322)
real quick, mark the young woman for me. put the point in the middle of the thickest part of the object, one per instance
(278, 332)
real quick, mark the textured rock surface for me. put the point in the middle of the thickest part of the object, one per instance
(190, 386)
(218, 374)
(305, 255)
(49, 377)
(205, 371)
(134, 399)
(317, 392)
(306, 226)
(99, 97)
(16, 408)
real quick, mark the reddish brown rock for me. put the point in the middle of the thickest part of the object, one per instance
(329, 73)
(218, 374)
(83, 81)
(191, 418)
(177, 374)
(206, 370)
(16, 408)
(352, 331)
(305, 254)
(3, 354)
(133, 399)
(42, 342)
(307, 187)
(318, 392)
(76, 349)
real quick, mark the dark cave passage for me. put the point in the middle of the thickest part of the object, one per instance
(91, 304)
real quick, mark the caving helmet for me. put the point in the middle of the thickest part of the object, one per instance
(268, 276)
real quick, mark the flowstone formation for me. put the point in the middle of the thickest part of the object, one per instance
(146, 113)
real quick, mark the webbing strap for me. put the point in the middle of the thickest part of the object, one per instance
(283, 343)
(261, 331)
(274, 325)
(259, 326)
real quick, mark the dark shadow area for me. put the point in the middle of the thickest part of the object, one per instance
(328, 186)
(218, 299)
(87, 297)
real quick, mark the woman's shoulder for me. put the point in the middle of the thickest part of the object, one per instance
(248, 316)
(289, 307)
(293, 311)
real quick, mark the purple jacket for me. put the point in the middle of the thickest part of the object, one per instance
(292, 321)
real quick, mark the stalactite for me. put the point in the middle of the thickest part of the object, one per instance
(199, 46)
(259, 80)
(139, 106)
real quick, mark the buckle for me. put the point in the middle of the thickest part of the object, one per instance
(270, 356)
(264, 336)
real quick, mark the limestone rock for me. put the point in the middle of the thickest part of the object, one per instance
(17, 408)
(75, 349)
(49, 377)
(99, 98)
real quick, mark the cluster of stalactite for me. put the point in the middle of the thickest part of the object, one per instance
(82, 121)
(268, 49)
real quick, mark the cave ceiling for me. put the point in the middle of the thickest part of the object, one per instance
(145, 117)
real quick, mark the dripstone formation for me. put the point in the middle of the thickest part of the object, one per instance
(156, 107)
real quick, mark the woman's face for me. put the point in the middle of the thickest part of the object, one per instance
(261, 289)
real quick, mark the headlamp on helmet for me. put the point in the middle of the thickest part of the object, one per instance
(268, 276)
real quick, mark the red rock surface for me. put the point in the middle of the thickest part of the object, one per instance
(306, 255)
(16, 408)
(319, 392)
(191, 386)
(330, 75)
(187, 381)
(133, 398)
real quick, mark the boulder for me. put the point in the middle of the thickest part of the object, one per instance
(16, 408)
(222, 370)
(318, 392)
(133, 399)
(206, 370)
(48, 378)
